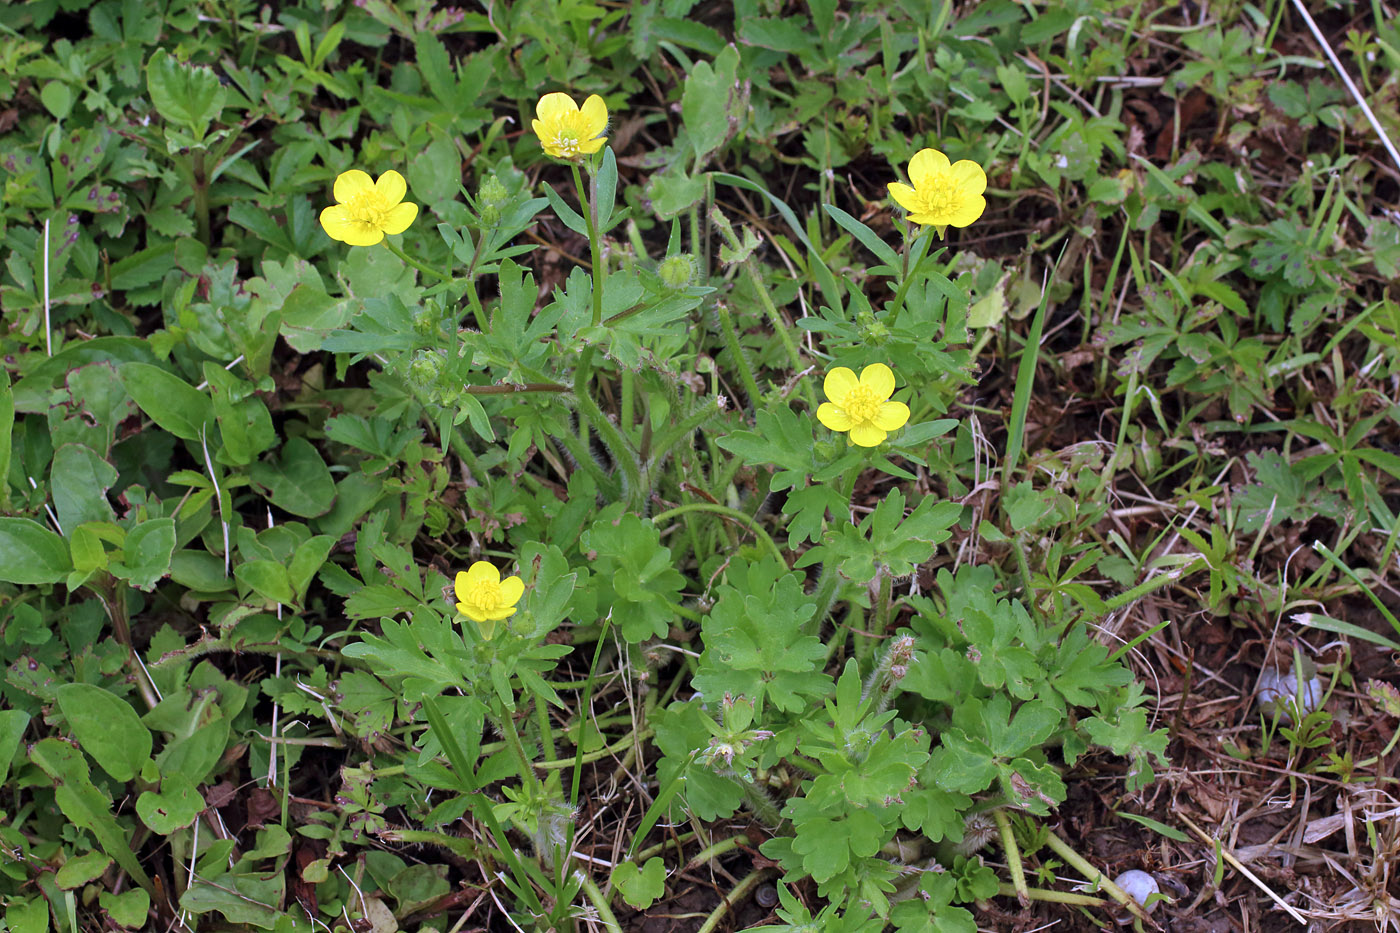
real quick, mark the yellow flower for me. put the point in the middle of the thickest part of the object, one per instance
(944, 194)
(862, 406)
(484, 596)
(567, 132)
(368, 209)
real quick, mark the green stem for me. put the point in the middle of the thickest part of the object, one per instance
(731, 340)
(1013, 857)
(1092, 874)
(201, 194)
(780, 327)
(741, 889)
(742, 517)
(1023, 566)
(508, 389)
(626, 741)
(546, 733)
(884, 602)
(1054, 897)
(709, 853)
(517, 748)
(622, 451)
(426, 270)
(590, 217)
(600, 903)
(919, 248)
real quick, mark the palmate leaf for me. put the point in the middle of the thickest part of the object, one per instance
(754, 642)
(629, 560)
(783, 439)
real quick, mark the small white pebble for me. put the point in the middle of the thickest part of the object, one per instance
(1275, 690)
(1140, 886)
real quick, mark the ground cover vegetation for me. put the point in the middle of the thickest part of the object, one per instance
(569, 465)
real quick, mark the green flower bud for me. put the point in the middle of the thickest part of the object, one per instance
(491, 197)
(425, 369)
(677, 271)
(875, 333)
(425, 322)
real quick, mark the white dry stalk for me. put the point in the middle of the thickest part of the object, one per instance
(218, 497)
(1350, 85)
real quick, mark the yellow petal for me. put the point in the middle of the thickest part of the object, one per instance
(398, 219)
(838, 384)
(879, 379)
(465, 610)
(495, 615)
(969, 177)
(891, 417)
(334, 220)
(905, 196)
(351, 183)
(391, 187)
(590, 146)
(926, 166)
(867, 435)
(969, 211)
(556, 105)
(483, 571)
(462, 587)
(595, 117)
(359, 233)
(512, 588)
(833, 417)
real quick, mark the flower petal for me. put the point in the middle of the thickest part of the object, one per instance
(834, 418)
(891, 417)
(595, 117)
(462, 587)
(391, 187)
(967, 212)
(483, 571)
(334, 220)
(466, 610)
(925, 166)
(905, 196)
(590, 146)
(348, 184)
(398, 219)
(838, 384)
(359, 233)
(867, 435)
(556, 105)
(879, 379)
(496, 615)
(512, 588)
(969, 177)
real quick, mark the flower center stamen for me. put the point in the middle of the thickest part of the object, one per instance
(369, 207)
(861, 404)
(941, 196)
(486, 595)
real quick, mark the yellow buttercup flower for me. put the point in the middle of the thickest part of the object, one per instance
(368, 209)
(862, 406)
(483, 596)
(944, 194)
(567, 131)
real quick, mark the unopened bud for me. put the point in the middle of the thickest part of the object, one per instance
(425, 369)
(425, 322)
(677, 271)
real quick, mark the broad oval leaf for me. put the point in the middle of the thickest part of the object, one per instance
(107, 728)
